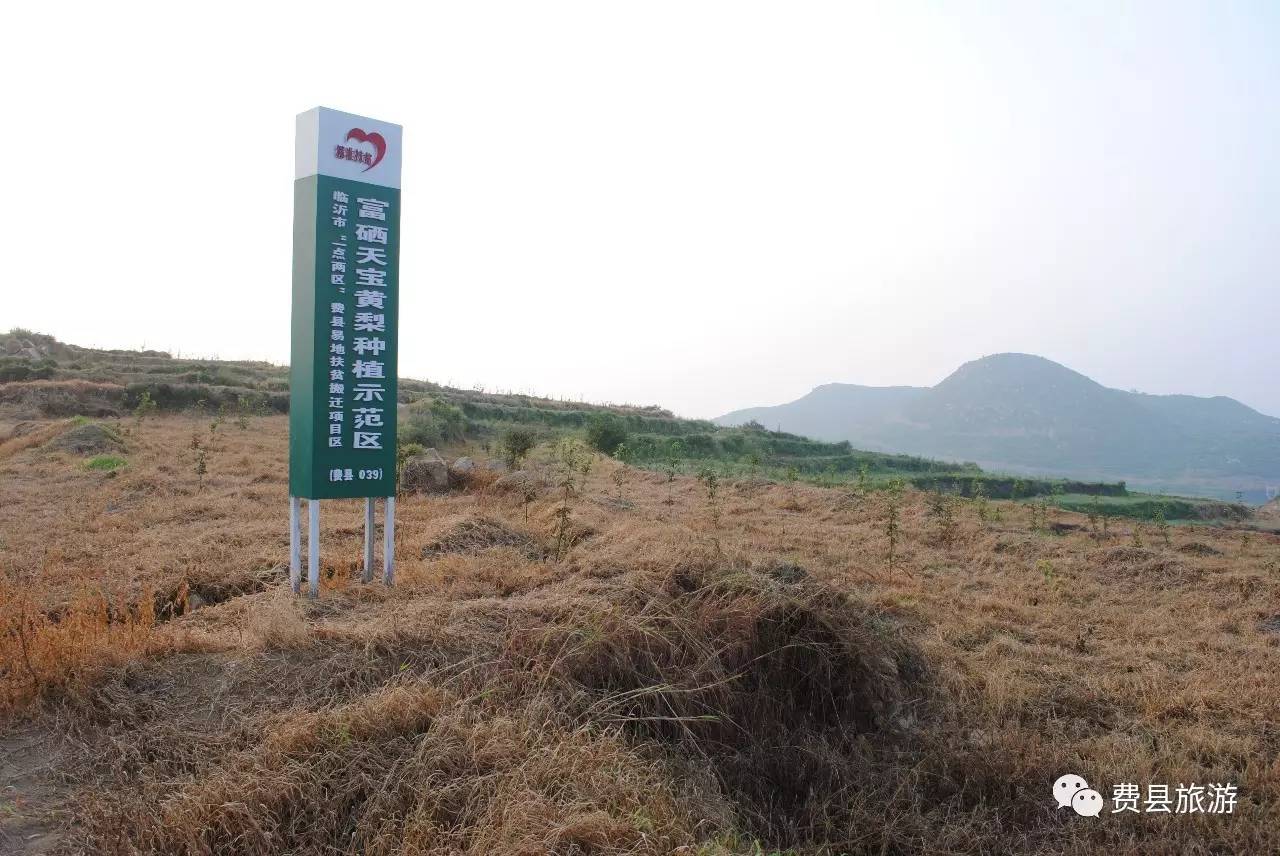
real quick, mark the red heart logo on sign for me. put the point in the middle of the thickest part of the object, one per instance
(374, 139)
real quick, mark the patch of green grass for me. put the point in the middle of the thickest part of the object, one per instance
(1145, 506)
(105, 463)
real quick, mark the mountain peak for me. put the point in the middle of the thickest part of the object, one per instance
(1015, 367)
(1025, 413)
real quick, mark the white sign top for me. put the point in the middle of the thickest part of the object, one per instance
(344, 145)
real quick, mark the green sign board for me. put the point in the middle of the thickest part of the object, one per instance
(346, 251)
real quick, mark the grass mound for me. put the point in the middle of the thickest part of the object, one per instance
(422, 770)
(1136, 564)
(776, 686)
(203, 589)
(45, 399)
(472, 536)
(638, 714)
(88, 439)
(1197, 548)
(1122, 557)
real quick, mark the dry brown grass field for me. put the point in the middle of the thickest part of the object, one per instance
(747, 677)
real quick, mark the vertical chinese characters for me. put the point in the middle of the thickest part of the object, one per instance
(337, 321)
(369, 326)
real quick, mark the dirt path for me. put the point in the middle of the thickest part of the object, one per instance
(27, 792)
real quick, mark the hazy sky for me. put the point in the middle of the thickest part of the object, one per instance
(700, 205)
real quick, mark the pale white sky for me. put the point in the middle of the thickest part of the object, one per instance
(700, 205)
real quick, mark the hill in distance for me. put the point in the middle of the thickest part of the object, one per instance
(42, 378)
(1026, 414)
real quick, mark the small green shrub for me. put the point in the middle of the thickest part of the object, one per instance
(711, 480)
(517, 443)
(942, 510)
(405, 451)
(980, 503)
(105, 463)
(1162, 526)
(573, 460)
(432, 423)
(245, 408)
(21, 368)
(606, 432)
(892, 527)
(145, 407)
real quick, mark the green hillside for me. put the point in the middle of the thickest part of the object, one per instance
(41, 377)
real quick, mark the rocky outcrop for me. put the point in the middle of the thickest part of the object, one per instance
(425, 473)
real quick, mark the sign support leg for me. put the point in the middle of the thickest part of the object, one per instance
(313, 549)
(295, 544)
(368, 539)
(389, 540)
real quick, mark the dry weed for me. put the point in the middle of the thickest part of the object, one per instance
(674, 684)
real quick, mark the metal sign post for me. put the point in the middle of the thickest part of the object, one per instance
(389, 541)
(295, 544)
(343, 366)
(368, 540)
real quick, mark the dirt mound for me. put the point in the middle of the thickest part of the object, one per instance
(520, 482)
(90, 439)
(38, 399)
(28, 435)
(201, 590)
(472, 536)
(773, 700)
(1197, 548)
(1125, 556)
(780, 686)
(1140, 564)
(414, 769)
(1021, 547)
(783, 571)
(21, 429)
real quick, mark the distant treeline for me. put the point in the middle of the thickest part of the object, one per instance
(730, 444)
(181, 396)
(1171, 508)
(61, 398)
(635, 422)
(1013, 487)
(15, 369)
